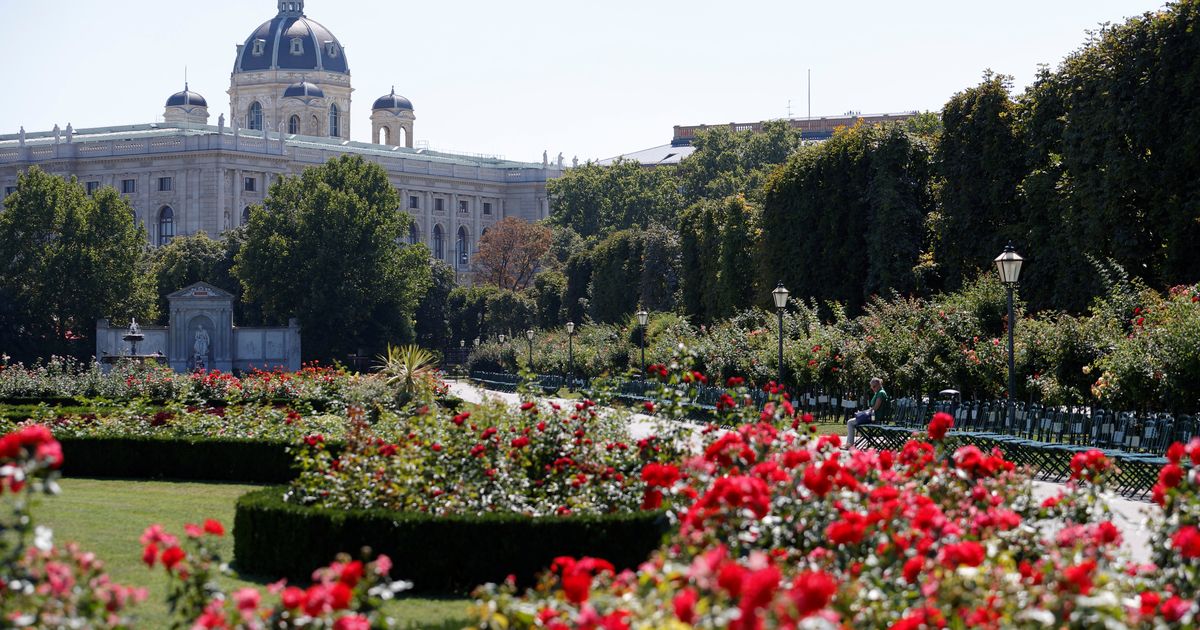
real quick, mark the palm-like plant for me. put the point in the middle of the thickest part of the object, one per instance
(406, 367)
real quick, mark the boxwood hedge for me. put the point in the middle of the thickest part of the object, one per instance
(206, 459)
(439, 554)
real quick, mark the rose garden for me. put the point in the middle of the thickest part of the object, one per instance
(625, 420)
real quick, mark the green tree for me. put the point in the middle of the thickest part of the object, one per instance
(190, 259)
(578, 272)
(467, 308)
(727, 162)
(67, 259)
(548, 290)
(658, 287)
(326, 248)
(510, 313)
(597, 200)
(433, 313)
(616, 276)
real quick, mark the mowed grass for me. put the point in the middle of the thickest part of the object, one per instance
(107, 517)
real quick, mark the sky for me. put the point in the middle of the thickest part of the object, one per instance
(589, 79)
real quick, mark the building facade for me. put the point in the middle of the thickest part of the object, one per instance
(290, 103)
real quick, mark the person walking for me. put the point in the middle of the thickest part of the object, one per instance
(876, 409)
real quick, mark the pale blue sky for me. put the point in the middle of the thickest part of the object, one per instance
(593, 79)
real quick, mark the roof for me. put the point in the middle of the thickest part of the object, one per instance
(664, 155)
(392, 101)
(303, 90)
(201, 290)
(186, 98)
(270, 47)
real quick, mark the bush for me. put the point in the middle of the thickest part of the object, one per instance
(140, 457)
(453, 553)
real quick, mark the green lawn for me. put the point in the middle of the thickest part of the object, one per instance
(107, 517)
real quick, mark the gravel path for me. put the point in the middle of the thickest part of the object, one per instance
(1128, 515)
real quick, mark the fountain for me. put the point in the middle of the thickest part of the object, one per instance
(133, 337)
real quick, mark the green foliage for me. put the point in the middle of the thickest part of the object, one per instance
(718, 249)
(548, 289)
(279, 538)
(190, 259)
(616, 270)
(509, 312)
(728, 163)
(67, 259)
(326, 249)
(154, 457)
(466, 308)
(433, 314)
(411, 370)
(597, 200)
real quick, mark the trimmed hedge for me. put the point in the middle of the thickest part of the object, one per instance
(440, 554)
(207, 459)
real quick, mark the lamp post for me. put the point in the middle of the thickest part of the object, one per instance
(570, 356)
(1008, 263)
(502, 339)
(462, 353)
(529, 336)
(477, 342)
(642, 318)
(780, 295)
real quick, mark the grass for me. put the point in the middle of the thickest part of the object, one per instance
(107, 517)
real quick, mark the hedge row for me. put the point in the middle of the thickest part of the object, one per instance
(207, 459)
(439, 554)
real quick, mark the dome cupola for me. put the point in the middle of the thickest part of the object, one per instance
(291, 41)
(186, 98)
(186, 107)
(392, 120)
(392, 101)
(304, 91)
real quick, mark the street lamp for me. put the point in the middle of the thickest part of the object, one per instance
(529, 336)
(502, 339)
(1008, 263)
(477, 342)
(570, 356)
(780, 295)
(642, 318)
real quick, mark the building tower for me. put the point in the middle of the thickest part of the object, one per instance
(391, 117)
(291, 72)
(186, 108)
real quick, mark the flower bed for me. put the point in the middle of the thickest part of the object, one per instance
(450, 553)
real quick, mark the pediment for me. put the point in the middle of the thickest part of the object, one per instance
(201, 290)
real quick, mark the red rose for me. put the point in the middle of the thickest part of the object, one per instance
(171, 557)
(847, 531)
(1080, 576)
(352, 622)
(912, 569)
(576, 586)
(1187, 541)
(649, 406)
(685, 605)
(817, 481)
(150, 554)
(214, 527)
(526, 406)
(941, 423)
(1149, 603)
(1170, 475)
(812, 591)
(1175, 608)
(1175, 453)
(968, 553)
(292, 597)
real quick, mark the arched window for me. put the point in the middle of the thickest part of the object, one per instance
(384, 138)
(439, 248)
(166, 225)
(335, 127)
(414, 236)
(245, 215)
(462, 245)
(294, 124)
(254, 120)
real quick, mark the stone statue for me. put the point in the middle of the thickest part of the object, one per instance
(545, 159)
(134, 329)
(202, 341)
(56, 133)
(70, 133)
(22, 135)
(575, 162)
(221, 122)
(560, 159)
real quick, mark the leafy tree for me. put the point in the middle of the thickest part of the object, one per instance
(699, 242)
(597, 200)
(326, 248)
(548, 289)
(616, 276)
(659, 269)
(190, 259)
(576, 303)
(433, 314)
(564, 241)
(67, 259)
(510, 313)
(718, 240)
(467, 309)
(728, 162)
(510, 251)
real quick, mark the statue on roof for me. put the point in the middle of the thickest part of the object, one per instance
(221, 122)
(22, 139)
(545, 159)
(575, 162)
(57, 133)
(560, 159)
(70, 133)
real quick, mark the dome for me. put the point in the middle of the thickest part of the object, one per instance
(291, 41)
(186, 98)
(392, 101)
(303, 90)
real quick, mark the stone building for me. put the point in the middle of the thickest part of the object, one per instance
(290, 98)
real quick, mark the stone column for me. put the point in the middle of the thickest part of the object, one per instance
(198, 220)
(237, 194)
(222, 203)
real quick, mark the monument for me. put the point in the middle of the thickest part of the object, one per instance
(201, 335)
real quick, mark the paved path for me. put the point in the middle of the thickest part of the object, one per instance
(1127, 515)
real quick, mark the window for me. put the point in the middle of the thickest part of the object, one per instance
(461, 245)
(166, 225)
(294, 125)
(250, 184)
(92, 187)
(335, 127)
(8, 190)
(414, 202)
(439, 205)
(439, 248)
(260, 46)
(297, 46)
(128, 186)
(165, 184)
(464, 206)
(331, 49)
(254, 120)
(487, 207)
(245, 215)
(413, 236)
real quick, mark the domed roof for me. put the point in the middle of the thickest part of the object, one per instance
(186, 98)
(291, 41)
(392, 101)
(303, 90)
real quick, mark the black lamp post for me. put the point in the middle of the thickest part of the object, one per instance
(642, 318)
(780, 295)
(1008, 263)
(462, 353)
(529, 336)
(570, 356)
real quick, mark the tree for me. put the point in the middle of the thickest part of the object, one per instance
(548, 290)
(510, 313)
(727, 162)
(67, 259)
(510, 251)
(433, 314)
(326, 248)
(190, 259)
(597, 200)
(467, 309)
(616, 276)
